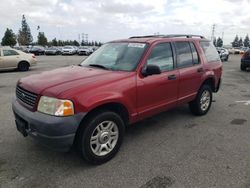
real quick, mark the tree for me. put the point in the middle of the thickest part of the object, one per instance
(214, 41)
(235, 43)
(60, 43)
(41, 39)
(54, 42)
(240, 42)
(246, 41)
(219, 42)
(9, 38)
(24, 35)
(75, 43)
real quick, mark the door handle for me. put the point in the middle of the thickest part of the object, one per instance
(200, 70)
(172, 77)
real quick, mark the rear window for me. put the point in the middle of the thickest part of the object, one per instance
(210, 51)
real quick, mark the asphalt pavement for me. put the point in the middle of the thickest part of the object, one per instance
(172, 149)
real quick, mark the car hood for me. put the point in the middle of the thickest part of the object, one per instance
(55, 82)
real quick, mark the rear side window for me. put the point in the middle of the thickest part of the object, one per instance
(162, 56)
(9, 52)
(210, 51)
(184, 54)
(194, 54)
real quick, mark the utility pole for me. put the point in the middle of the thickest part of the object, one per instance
(222, 35)
(84, 37)
(213, 31)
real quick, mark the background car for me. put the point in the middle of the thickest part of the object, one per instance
(53, 51)
(16, 59)
(245, 60)
(68, 50)
(223, 53)
(84, 50)
(37, 50)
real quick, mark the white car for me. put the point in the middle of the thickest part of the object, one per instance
(83, 50)
(15, 59)
(68, 50)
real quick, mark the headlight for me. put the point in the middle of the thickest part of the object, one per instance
(56, 107)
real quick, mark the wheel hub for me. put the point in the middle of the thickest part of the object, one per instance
(104, 137)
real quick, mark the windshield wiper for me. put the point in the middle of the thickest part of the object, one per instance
(99, 66)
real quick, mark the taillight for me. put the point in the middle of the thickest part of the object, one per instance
(244, 55)
(33, 56)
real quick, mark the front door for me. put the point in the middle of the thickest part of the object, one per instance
(157, 93)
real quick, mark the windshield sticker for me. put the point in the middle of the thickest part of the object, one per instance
(136, 45)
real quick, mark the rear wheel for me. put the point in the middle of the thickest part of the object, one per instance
(23, 66)
(202, 103)
(100, 137)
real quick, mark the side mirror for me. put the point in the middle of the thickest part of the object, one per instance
(151, 70)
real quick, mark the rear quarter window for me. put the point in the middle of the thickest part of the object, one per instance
(210, 51)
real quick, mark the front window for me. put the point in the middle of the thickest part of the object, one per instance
(122, 56)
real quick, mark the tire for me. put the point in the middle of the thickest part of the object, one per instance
(106, 130)
(23, 66)
(202, 103)
(242, 67)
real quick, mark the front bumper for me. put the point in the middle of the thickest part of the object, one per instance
(67, 53)
(57, 133)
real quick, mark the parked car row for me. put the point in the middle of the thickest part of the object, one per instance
(238, 50)
(55, 50)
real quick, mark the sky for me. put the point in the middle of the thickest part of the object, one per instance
(105, 20)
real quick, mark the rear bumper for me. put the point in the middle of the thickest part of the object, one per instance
(57, 133)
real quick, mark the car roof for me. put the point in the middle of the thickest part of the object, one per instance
(155, 38)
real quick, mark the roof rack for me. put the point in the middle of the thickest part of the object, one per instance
(168, 36)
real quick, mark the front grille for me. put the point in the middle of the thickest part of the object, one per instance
(26, 97)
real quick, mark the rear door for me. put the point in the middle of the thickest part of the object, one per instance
(190, 69)
(156, 93)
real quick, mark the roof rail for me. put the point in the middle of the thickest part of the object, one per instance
(168, 36)
(148, 36)
(183, 35)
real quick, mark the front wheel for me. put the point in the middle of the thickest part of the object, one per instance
(202, 103)
(100, 137)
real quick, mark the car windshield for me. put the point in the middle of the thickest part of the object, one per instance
(122, 56)
(68, 47)
(52, 48)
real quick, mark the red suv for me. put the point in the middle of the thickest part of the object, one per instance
(123, 82)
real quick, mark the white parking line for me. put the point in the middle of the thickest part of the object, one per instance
(245, 102)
